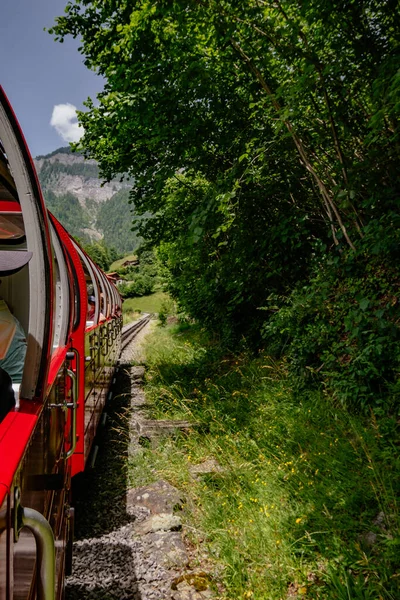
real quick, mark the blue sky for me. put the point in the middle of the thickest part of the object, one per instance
(38, 74)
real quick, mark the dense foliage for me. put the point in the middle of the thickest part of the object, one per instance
(51, 170)
(142, 278)
(263, 139)
(344, 324)
(62, 150)
(101, 254)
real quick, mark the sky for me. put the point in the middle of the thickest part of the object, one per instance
(45, 81)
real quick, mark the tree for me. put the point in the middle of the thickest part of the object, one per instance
(102, 255)
(200, 84)
(263, 139)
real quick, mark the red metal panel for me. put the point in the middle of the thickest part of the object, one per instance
(8, 206)
(15, 433)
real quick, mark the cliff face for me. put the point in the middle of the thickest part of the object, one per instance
(88, 209)
(63, 171)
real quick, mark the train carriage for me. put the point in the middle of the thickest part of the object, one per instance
(70, 358)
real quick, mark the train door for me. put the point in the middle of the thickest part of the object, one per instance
(101, 381)
(106, 329)
(92, 351)
(112, 327)
(76, 342)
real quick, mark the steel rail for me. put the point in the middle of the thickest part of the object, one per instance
(131, 330)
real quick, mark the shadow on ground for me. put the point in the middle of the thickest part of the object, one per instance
(103, 560)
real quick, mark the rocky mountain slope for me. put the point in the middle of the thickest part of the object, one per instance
(89, 209)
(63, 171)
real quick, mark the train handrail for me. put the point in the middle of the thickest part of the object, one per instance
(94, 343)
(73, 406)
(45, 545)
(113, 330)
(45, 552)
(104, 339)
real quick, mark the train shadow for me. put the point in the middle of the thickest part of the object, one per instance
(103, 555)
(103, 569)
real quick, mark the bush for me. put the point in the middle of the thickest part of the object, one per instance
(141, 286)
(341, 328)
(167, 308)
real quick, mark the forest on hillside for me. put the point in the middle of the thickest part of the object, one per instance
(50, 171)
(263, 139)
(89, 221)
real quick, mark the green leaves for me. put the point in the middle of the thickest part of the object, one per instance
(262, 137)
(364, 303)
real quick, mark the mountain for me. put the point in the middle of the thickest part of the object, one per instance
(64, 171)
(90, 209)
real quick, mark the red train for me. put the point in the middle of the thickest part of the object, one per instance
(71, 317)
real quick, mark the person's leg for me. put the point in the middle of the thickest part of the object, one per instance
(7, 399)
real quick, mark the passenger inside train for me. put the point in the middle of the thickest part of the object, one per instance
(103, 308)
(91, 308)
(91, 312)
(12, 335)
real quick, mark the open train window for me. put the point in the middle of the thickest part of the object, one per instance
(106, 296)
(114, 299)
(11, 228)
(8, 189)
(102, 293)
(28, 291)
(111, 296)
(76, 301)
(92, 289)
(14, 288)
(60, 293)
(14, 298)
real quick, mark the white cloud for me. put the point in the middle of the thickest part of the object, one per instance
(65, 122)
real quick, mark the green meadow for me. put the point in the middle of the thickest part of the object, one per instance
(300, 500)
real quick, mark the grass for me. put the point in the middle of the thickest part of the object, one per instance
(305, 503)
(118, 263)
(153, 303)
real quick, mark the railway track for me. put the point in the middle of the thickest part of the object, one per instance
(119, 553)
(111, 559)
(132, 329)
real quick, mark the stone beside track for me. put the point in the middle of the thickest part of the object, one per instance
(129, 544)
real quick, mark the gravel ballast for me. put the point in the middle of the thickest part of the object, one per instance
(128, 542)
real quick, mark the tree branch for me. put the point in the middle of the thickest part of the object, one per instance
(330, 205)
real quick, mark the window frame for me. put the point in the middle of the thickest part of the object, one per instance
(87, 266)
(61, 293)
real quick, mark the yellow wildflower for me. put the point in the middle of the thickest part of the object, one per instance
(303, 591)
